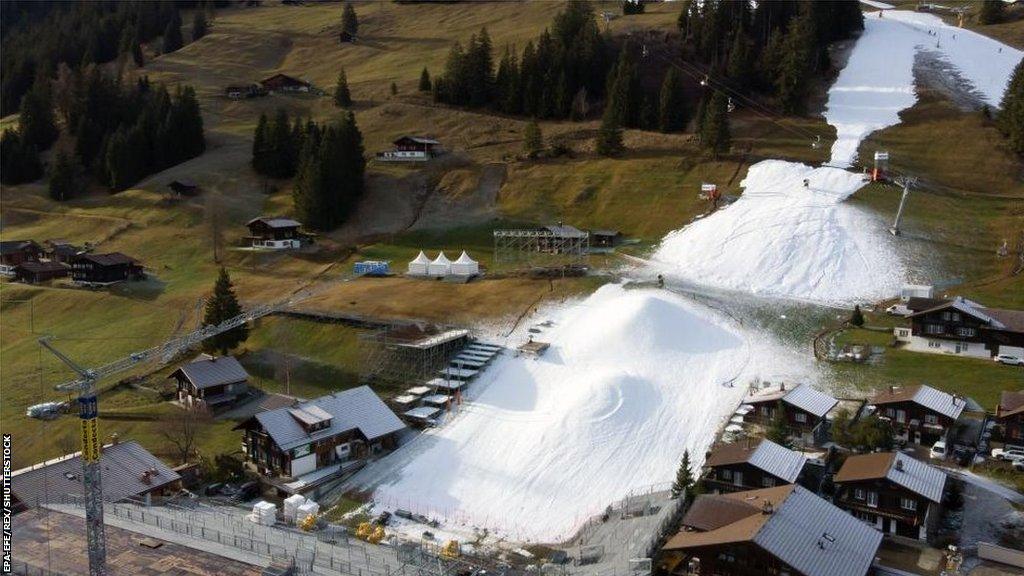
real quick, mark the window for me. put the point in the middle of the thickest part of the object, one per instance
(954, 316)
(800, 417)
(908, 504)
(945, 316)
(767, 481)
(901, 416)
(726, 474)
(931, 419)
(737, 478)
(966, 332)
(858, 493)
(934, 329)
(934, 344)
(873, 499)
(890, 412)
(766, 410)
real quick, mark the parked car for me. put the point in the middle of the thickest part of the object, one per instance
(938, 451)
(898, 310)
(1012, 454)
(1009, 359)
(1018, 465)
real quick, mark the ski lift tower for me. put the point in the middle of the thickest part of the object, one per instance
(906, 182)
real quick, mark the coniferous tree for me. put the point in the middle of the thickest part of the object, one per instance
(199, 25)
(715, 135)
(424, 85)
(261, 145)
(991, 11)
(137, 56)
(223, 305)
(672, 116)
(798, 60)
(857, 317)
(609, 136)
(36, 123)
(349, 20)
(66, 177)
(342, 97)
(650, 111)
(19, 162)
(533, 140)
(1011, 115)
(683, 484)
(172, 34)
(394, 89)
(778, 430)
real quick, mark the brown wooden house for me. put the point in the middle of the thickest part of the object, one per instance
(341, 429)
(750, 464)
(781, 530)
(1010, 416)
(919, 414)
(804, 408)
(964, 328)
(284, 83)
(275, 232)
(61, 251)
(412, 148)
(891, 491)
(105, 268)
(35, 272)
(14, 252)
(211, 383)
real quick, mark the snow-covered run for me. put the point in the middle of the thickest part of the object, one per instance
(632, 378)
(877, 82)
(783, 239)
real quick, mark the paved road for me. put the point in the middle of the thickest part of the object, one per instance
(987, 484)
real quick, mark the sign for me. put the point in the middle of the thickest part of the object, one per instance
(90, 441)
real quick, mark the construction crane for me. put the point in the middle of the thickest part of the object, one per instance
(88, 407)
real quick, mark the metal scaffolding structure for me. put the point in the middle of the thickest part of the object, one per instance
(408, 353)
(556, 246)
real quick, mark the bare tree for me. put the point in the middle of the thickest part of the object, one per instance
(181, 430)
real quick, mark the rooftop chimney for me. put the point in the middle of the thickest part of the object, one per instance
(114, 439)
(782, 387)
(767, 508)
(899, 464)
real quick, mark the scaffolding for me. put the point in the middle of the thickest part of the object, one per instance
(408, 353)
(556, 246)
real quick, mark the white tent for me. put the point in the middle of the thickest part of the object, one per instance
(441, 266)
(420, 265)
(465, 266)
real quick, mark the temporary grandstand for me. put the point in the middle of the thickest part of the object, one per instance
(409, 353)
(553, 246)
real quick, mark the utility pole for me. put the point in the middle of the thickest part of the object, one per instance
(906, 182)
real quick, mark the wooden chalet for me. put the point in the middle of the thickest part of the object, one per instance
(340, 430)
(892, 492)
(750, 464)
(276, 233)
(781, 530)
(33, 272)
(962, 327)
(211, 383)
(60, 250)
(105, 268)
(1010, 416)
(412, 148)
(804, 408)
(14, 252)
(284, 83)
(605, 238)
(919, 414)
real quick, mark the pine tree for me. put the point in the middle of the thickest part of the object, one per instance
(137, 56)
(857, 317)
(715, 135)
(342, 97)
(683, 485)
(394, 89)
(19, 162)
(533, 140)
(609, 136)
(36, 123)
(199, 25)
(1011, 115)
(798, 60)
(672, 116)
(991, 12)
(424, 80)
(66, 178)
(778, 430)
(650, 112)
(349, 20)
(351, 169)
(172, 34)
(223, 305)
(260, 145)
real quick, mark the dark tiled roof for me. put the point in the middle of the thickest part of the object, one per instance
(11, 246)
(275, 222)
(207, 372)
(36, 267)
(900, 469)
(110, 259)
(123, 466)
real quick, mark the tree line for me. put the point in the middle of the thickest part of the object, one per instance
(327, 160)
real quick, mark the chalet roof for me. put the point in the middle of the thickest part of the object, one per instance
(802, 396)
(605, 233)
(61, 248)
(1012, 320)
(917, 303)
(37, 267)
(275, 222)
(110, 259)
(12, 246)
(123, 467)
(912, 474)
(802, 530)
(761, 453)
(211, 371)
(1011, 403)
(966, 307)
(564, 231)
(416, 139)
(355, 409)
(283, 79)
(935, 400)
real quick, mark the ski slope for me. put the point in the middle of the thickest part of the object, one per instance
(784, 240)
(632, 378)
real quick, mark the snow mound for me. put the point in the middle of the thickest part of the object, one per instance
(783, 239)
(877, 82)
(632, 378)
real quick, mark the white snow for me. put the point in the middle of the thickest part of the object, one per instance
(877, 82)
(631, 379)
